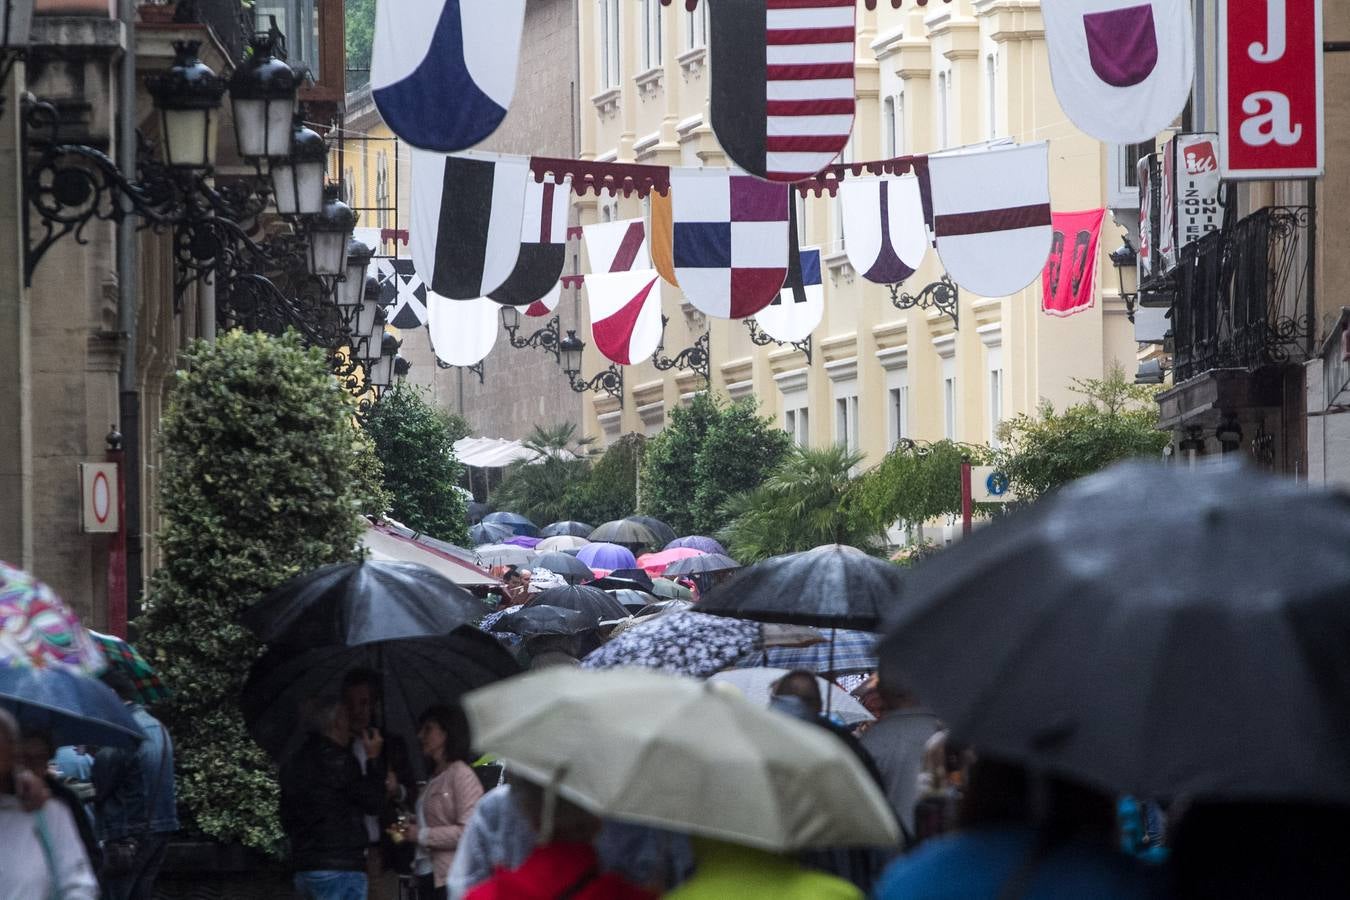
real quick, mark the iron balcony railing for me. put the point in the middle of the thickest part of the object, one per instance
(1244, 295)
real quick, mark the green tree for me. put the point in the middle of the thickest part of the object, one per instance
(804, 503)
(261, 480)
(708, 452)
(360, 22)
(416, 445)
(916, 483)
(740, 449)
(609, 490)
(1118, 420)
(537, 487)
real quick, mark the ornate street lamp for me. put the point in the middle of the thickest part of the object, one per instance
(610, 380)
(187, 96)
(545, 338)
(371, 319)
(297, 179)
(329, 232)
(352, 288)
(262, 92)
(1126, 261)
(380, 371)
(401, 369)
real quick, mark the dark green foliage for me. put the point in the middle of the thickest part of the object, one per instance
(804, 503)
(1117, 421)
(916, 484)
(263, 476)
(415, 443)
(537, 488)
(360, 21)
(609, 490)
(709, 451)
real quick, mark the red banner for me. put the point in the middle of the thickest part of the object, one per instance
(1067, 281)
(1271, 89)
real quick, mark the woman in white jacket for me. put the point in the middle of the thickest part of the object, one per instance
(41, 857)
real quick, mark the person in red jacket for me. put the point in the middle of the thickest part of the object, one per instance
(563, 865)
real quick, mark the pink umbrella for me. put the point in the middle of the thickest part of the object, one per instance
(655, 563)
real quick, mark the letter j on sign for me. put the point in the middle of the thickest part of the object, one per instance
(1271, 88)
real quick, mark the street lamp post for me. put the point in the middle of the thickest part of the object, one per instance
(297, 179)
(330, 233)
(263, 93)
(1125, 259)
(188, 96)
(610, 380)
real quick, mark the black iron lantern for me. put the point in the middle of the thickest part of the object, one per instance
(329, 232)
(188, 96)
(370, 319)
(262, 92)
(571, 349)
(381, 370)
(511, 318)
(352, 289)
(297, 179)
(401, 368)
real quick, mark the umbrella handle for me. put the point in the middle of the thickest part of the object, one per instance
(829, 693)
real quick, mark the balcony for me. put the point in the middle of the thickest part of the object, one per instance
(1243, 297)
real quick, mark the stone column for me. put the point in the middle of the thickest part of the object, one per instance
(16, 447)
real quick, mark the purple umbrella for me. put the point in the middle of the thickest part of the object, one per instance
(697, 542)
(607, 556)
(521, 540)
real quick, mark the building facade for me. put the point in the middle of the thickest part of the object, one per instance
(518, 387)
(929, 78)
(91, 337)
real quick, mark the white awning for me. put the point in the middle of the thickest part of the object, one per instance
(496, 453)
(386, 543)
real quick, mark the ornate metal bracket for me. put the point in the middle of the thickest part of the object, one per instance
(942, 295)
(610, 381)
(547, 338)
(476, 368)
(696, 359)
(760, 338)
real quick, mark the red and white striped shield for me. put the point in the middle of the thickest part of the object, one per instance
(782, 83)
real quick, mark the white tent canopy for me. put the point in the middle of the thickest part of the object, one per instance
(496, 453)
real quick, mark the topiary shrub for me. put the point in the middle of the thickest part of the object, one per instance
(263, 476)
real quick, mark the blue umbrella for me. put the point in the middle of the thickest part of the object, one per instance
(607, 556)
(697, 542)
(74, 709)
(514, 521)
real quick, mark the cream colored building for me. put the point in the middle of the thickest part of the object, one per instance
(928, 78)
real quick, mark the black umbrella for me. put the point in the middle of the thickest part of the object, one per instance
(536, 620)
(663, 532)
(701, 565)
(415, 673)
(833, 586)
(488, 533)
(1161, 631)
(582, 598)
(625, 532)
(357, 603)
(569, 567)
(517, 523)
(621, 579)
(569, 528)
(633, 600)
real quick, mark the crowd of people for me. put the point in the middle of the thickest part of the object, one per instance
(77, 823)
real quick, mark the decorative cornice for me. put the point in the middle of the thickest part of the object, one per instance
(991, 335)
(649, 82)
(894, 358)
(891, 334)
(842, 369)
(739, 390)
(792, 381)
(945, 345)
(693, 62)
(652, 413)
(607, 102)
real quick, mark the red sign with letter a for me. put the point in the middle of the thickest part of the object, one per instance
(1270, 89)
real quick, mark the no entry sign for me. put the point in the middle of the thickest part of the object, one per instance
(1270, 89)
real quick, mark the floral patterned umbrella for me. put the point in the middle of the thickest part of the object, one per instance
(681, 643)
(38, 630)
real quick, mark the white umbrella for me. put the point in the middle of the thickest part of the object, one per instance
(757, 686)
(561, 543)
(502, 555)
(677, 753)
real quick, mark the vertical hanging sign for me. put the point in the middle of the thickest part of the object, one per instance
(1271, 89)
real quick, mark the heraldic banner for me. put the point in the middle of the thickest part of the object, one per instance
(1070, 270)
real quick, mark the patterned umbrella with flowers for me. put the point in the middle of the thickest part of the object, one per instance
(38, 630)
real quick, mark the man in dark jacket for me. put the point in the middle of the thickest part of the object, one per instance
(325, 798)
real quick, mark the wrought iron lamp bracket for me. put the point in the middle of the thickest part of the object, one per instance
(609, 380)
(942, 295)
(547, 338)
(696, 359)
(760, 338)
(476, 368)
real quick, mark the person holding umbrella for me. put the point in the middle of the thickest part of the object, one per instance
(446, 803)
(325, 798)
(40, 850)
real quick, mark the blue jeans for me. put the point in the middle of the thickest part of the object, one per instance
(331, 885)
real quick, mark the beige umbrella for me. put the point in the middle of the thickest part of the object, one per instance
(561, 543)
(673, 752)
